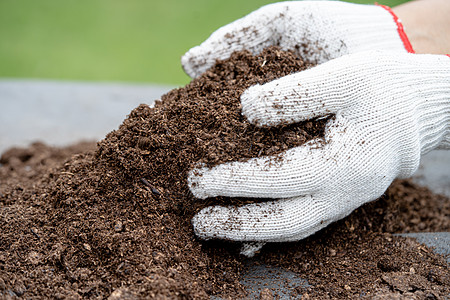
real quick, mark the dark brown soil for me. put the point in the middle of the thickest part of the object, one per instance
(113, 220)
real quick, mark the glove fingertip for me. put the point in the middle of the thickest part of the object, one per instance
(253, 105)
(196, 185)
(204, 222)
(188, 63)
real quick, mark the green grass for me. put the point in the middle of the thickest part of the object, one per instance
(110, 40)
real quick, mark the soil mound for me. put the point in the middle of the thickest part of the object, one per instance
(113, 219)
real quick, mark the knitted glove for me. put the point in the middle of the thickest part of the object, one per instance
(389, 109)
(316, 30)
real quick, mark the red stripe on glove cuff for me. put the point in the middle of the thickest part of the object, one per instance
(400, 29)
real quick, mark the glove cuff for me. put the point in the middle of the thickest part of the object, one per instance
(374, 27)
(400, 29)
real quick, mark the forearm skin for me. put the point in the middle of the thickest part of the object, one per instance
(427, 25)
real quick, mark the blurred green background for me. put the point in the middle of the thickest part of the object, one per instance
(111, 40)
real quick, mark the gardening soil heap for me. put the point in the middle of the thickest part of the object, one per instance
(113, 219)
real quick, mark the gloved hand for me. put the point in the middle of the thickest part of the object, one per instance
(317, 30)
(389, 109)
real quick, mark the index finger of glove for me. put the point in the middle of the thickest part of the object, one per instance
(316, 92)
(253, 32)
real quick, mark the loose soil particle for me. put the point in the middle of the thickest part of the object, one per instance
(113, 219)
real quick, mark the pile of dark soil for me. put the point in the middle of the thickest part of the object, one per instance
(113, 220)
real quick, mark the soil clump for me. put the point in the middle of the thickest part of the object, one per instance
(113, 219)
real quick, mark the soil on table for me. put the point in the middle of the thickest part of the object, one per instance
(112, 219)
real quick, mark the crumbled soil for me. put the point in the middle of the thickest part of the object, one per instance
(112, 219)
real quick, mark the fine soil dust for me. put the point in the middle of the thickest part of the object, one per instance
(113, 219)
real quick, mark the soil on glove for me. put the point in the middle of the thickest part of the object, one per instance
(113, 219)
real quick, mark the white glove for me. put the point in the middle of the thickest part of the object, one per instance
(317, 30)
(390, 108)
